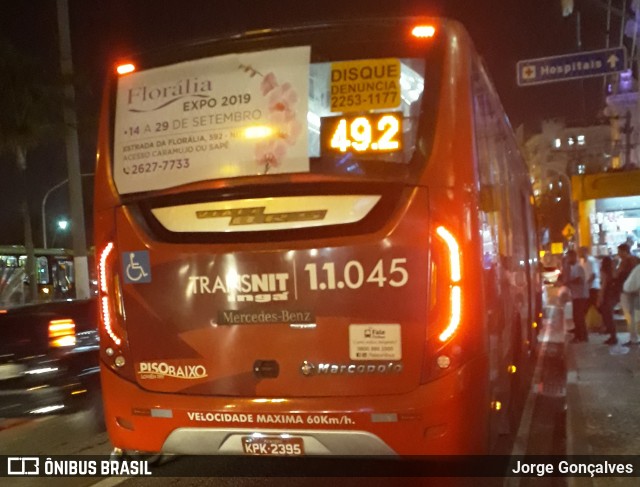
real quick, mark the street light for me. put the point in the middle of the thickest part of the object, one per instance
(63, 224)
(44, 203)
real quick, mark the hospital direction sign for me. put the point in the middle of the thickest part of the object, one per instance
(571, 66)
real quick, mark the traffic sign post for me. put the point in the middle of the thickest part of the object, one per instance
(571, 66)
(568, 231)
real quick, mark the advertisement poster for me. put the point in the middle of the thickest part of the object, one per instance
(226, 116)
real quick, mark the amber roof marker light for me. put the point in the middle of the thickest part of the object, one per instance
(125, 68)
(423, 31)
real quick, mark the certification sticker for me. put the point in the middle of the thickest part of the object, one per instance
(375, 342)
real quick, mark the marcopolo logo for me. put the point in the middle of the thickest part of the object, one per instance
(308, 368)
(160, 370)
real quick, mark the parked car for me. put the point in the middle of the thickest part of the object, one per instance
(49, 359)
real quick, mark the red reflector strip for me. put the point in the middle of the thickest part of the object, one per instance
(141, 412)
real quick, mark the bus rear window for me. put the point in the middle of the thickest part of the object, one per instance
(278, 110)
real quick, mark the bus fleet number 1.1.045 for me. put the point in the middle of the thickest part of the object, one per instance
(353, 275)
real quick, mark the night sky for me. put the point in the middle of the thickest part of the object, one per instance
(505, 31)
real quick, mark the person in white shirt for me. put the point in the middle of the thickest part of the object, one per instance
(631, 288)
(577, 283)
(627, 300)
(592, 272)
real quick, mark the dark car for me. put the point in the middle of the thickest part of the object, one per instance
(49, 358)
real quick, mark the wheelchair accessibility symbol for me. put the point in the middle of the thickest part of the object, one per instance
(136, 267)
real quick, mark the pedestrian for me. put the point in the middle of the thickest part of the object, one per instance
(631, 288)
(577, 283)
(590, 265)
(625, 266)
(607, 299)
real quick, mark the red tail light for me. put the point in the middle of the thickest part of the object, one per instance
(455, 275)
(114, 348)
(107, 294)
(444, 315)
(62, 333)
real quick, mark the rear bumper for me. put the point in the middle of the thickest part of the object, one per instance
(447, 416)
(228, 441)
(43, 385)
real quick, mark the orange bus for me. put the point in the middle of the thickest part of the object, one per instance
(315, 240)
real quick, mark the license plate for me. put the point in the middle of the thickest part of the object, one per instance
(272, 446)
(9, 371)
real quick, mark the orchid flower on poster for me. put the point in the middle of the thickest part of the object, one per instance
(281, 114)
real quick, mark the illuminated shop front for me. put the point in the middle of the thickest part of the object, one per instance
(609, 210)
(615, 220)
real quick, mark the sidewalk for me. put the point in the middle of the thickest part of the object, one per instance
(603, 402)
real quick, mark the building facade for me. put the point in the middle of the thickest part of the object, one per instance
(586, 179)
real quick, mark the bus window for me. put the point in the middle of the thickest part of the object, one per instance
(42, 268)
(12, 263)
